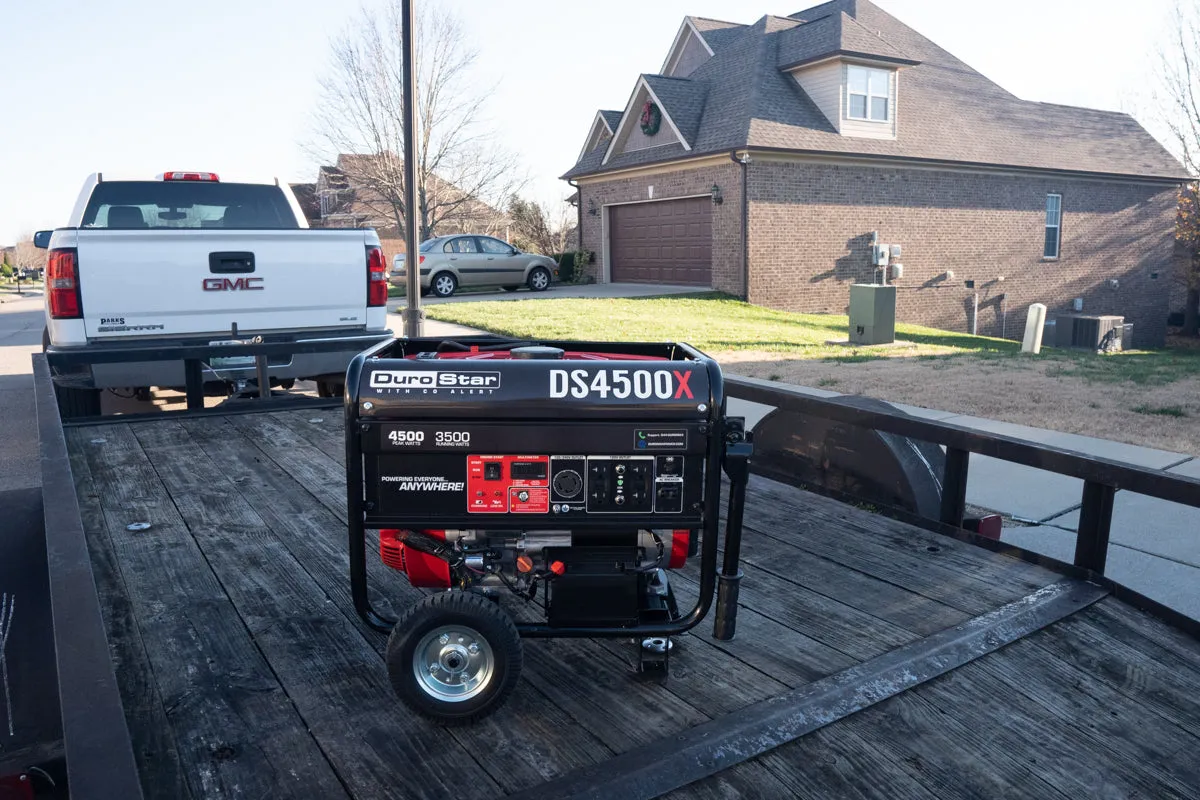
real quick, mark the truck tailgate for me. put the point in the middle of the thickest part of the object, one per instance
(184, 282)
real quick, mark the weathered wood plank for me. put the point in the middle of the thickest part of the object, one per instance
(153, 740)
(835, 762)
(878, 597)
(1148, 675)
(805, 512)
(1003, 720)
(313, 534)
(770, 646)
(329, 670)
(856, 633)
(953, 753)
(1131, 625)
(323, 427)
(321, 475)
(749, 781)
(549, 743)
(704, 676)
(1109, 723)
(875, 553)
(236, 731)
(600, 693)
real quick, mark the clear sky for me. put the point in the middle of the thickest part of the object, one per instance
(229, 85)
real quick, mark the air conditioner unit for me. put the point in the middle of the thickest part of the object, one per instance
(1091, 332)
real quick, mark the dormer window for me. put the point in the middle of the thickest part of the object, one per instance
(868, 93)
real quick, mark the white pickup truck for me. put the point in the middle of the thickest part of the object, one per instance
(187, 259)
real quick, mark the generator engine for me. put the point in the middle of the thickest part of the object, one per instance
(574, 475)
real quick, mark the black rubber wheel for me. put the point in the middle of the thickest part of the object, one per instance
(443, 284)
(74, 403)
(510, 288)
(330, 388)
(454, 657)
(539, 279)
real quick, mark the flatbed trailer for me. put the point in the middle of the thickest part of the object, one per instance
(208, 646)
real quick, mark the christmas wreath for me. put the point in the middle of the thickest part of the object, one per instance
(651, 118)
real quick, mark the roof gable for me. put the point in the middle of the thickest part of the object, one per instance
(689, 36)
(603, 126)
(946, 112)
(685, 104)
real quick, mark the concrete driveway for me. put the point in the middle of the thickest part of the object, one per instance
(558, 290)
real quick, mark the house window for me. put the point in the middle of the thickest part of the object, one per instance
(868, 95)
(1053, 225)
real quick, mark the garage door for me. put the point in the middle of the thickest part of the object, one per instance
(666, 242)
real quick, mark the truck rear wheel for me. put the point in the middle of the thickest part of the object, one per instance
(454, 657)
(330, 388)
(74, 403)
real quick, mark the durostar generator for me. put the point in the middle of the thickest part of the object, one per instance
(571, 475)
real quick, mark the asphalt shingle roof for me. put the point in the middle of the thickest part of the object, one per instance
(946, 112)
(717, 34)
(684, 98)
(612, 119)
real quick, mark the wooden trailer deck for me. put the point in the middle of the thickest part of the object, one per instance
(244, 671)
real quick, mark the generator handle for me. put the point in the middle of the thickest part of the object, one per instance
(359, 592)
(738, 449)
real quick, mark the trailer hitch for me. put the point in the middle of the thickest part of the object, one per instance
(739, 446)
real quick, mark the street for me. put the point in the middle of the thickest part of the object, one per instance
(20, 336)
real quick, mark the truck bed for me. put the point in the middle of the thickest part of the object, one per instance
(245, 672)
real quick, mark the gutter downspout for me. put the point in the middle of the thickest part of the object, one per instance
(744, 162)
(578, 215)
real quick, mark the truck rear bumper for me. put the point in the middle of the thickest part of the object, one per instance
(118, 365)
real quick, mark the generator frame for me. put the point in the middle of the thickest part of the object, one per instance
(728, 450)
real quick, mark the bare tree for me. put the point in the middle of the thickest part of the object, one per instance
(540, 228)
(25, 256)
(1178, 105)
(463, 175)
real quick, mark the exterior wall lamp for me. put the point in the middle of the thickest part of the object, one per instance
(716, 195)
(592, 210)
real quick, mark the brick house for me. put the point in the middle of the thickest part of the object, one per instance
(762, 158)
(343, 197)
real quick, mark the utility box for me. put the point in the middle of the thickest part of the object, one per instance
(872, 314)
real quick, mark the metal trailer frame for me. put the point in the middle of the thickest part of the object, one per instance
(98, 749)
(728, 449)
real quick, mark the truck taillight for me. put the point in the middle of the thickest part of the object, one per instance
(62, 284)
(377, 282)
(191, 176)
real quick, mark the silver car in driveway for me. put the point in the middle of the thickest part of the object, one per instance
(449, 262)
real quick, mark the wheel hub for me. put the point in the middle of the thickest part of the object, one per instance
(453, 663)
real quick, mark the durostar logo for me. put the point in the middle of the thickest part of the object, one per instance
(431, 379)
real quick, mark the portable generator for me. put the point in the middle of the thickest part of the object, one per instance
(573, 476)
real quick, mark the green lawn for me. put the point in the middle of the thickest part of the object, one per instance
(711, 322)
(716, 323)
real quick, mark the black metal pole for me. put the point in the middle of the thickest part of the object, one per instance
(738, 449)
(412, 313)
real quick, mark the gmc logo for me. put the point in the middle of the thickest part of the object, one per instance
(232, 284)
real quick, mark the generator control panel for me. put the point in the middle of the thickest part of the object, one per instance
(463, 474)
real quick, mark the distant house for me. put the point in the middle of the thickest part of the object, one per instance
(306, 196)
(346, 195)
(762, 160)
